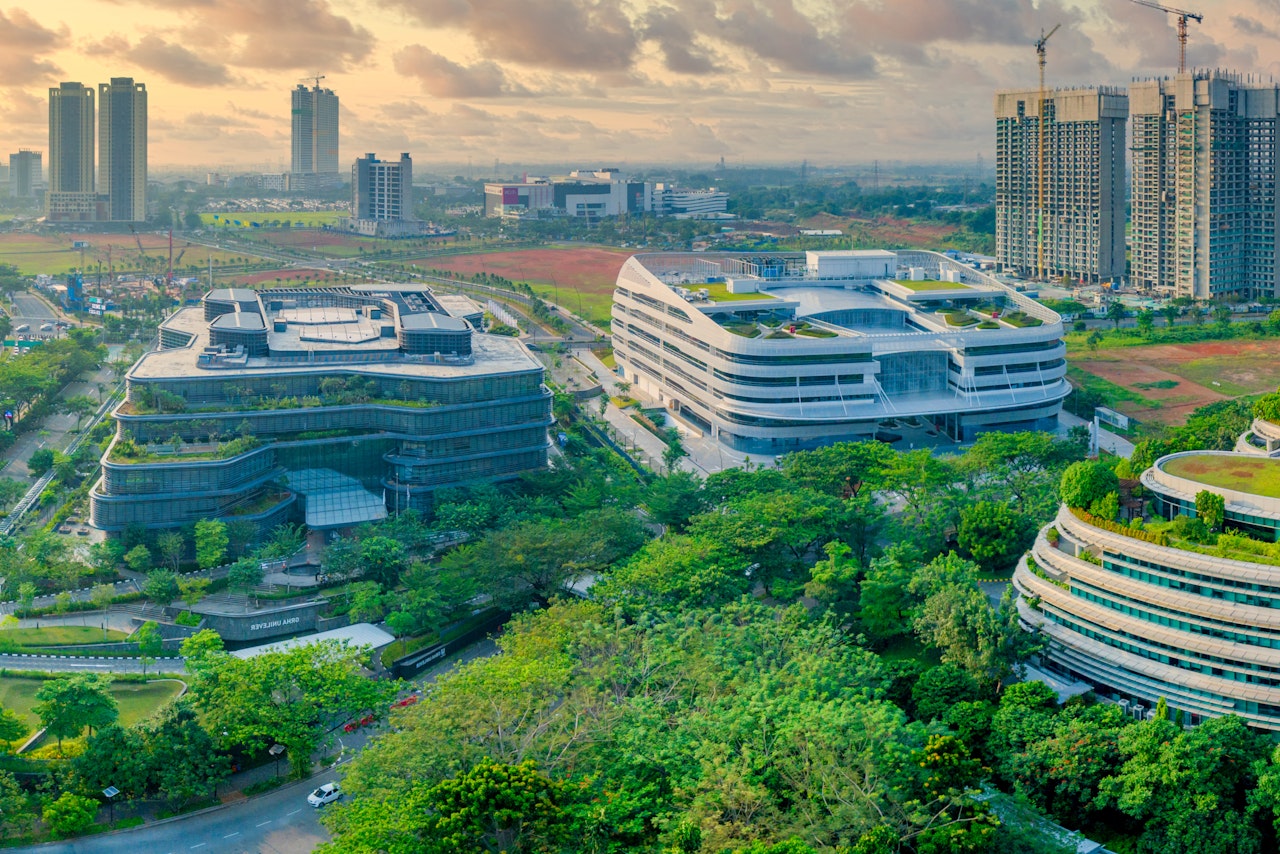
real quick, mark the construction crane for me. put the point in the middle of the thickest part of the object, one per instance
(317, 77)
(1183, 17)
(1040, 133)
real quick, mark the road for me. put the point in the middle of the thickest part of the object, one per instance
(277, 823)
(88, 664)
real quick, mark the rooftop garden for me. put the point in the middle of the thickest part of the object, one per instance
(1254, 475)
(1021, 319)
(1267, 407)
(719, 292)
(931, 285)
(959, 318)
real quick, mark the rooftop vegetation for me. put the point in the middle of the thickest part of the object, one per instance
(1239, 472)
(931, 285)
(720, 293)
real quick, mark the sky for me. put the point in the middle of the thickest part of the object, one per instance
(596, 82)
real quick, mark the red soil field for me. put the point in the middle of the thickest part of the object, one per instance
(589, 269)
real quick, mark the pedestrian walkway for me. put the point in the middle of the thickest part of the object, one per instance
(1107, 441)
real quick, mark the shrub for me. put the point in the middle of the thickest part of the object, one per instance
(1085, 482)
(70, 814)
(1106, 507)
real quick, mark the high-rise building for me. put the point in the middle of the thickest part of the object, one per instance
(122, 148)
(382, 189)
(1074, 212)
(315, 131)
(71, 195)
(1204, 186)
(26, 174)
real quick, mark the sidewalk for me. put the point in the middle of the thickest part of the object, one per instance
(1107, 441)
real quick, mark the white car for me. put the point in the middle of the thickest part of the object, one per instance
(326, 794)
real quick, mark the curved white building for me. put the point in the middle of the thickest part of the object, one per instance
(1140, 620)
(781, 351)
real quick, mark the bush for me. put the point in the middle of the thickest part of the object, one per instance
(70, 814)
(40, 462)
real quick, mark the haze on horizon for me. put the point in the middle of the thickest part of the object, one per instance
(595, 81)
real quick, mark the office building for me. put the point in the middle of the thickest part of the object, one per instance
(669, 200)
(315, 134)
(1075, 212)
(328, 406)
(122, 148)
(1204, 186)
(584, 194)
(26, 174)
(382, 198)
(776, 352)
(71, 195)
(1138, 615)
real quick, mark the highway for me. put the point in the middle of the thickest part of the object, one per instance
(87, 664)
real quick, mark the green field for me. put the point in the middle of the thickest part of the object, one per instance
(593, 307)
(296, 219)
(136, 700)
(59, 636)
(1254, 475)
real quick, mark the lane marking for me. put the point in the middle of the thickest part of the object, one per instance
(201, 845)
(229, 835)
(268, 821)
(295, 812)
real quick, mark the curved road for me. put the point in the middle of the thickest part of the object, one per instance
(277, 822)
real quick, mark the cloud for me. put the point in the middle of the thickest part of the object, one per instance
(569, 35)
(445, 78)
(273, 34)
(1252, 26)
(677, 42)
(170, 60)
(22, 40)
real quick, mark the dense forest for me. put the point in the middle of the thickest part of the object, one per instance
(780, 661)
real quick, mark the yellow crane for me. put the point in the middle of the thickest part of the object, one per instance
(1040, 133)
(1183, 17)
(317, 77)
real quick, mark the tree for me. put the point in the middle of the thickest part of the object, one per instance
(115, 756)
(192, 590)
(368, 604)
(993, 534)
(203, 643)
(1211, 509)
(1146, 321)
(494, 807)
(150, 644)
(12, 728)
(1085, 482)
(68, 704)
(940, 688)
(1222, 315)
(40, 462)
(884, 600)
(102, 595)
(161, 586)
(81, 406)
(138, 558)
(1116, 312)
(678, 571)
(172, 546)
(383, 560)
(291, 697)
(245, 574)
(70, 814)
(1170, 312)
(212, 540)
(988, 644)
(27, 595)
(186, 762)
(674, 499)
(15, 805)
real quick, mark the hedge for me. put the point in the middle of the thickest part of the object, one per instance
(1157, 538)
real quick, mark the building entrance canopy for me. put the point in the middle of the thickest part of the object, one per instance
(335, 500)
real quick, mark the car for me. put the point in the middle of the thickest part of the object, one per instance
(407, 701)
(326, 794)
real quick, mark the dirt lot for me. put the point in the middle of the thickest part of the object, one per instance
(1191, 375)
(582, 278)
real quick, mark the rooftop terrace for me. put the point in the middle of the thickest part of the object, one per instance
(1238, 472)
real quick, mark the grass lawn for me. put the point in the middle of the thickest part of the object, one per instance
(136, 701)
(931, 285)
(606, 356)
(589, 305)
(720, 293)
(59, 636)
(907, 647)
(1254, 475)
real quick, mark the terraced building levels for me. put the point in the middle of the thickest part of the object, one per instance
(329, 406)
(1144, 618)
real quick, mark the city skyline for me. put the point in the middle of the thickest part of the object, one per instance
(567, 80)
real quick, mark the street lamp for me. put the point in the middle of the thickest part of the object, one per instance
(111, 792)
(276, 750)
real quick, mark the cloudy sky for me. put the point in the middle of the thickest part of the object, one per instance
(595, 81)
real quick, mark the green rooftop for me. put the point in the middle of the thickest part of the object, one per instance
(931, 285)
(1239, 472)
(720, 293)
